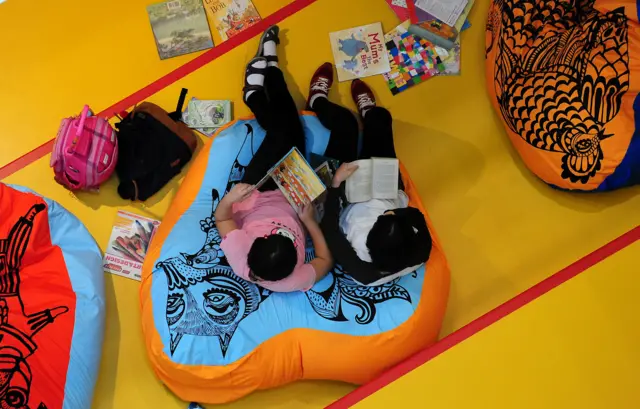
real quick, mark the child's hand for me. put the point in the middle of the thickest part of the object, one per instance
(308, 214)
(343, 173)
(238, 193)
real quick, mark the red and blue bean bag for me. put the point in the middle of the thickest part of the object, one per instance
(52, 305)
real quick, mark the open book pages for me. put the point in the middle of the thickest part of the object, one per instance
(376, 178)
(296, 179)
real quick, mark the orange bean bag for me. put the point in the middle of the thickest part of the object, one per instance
(212, 337)
(564, 76)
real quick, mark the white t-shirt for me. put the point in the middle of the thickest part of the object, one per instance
(356, 222)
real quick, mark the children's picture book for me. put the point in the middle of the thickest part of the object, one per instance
(179, 27)
(128, 244)
(376, 178)
(412, 59)
(359, 52)
(231, 17)
(296, 179)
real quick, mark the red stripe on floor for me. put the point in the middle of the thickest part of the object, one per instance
(178, 73)
(488, 319)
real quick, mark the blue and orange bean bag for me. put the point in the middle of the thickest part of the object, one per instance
(212, 337)
(564, 77)
(52, 305)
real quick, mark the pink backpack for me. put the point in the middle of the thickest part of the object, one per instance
(85, 152)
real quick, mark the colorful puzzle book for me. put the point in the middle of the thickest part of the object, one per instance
(413, 60)
(359, 52)
(179, 27)
(231, 17)
(296, 179)
(128, 244)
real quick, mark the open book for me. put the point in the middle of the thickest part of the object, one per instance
(296, 179)
(376, 178)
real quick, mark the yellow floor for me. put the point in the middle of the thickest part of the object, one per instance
(576, 347)
(503, 230)
(58, 56)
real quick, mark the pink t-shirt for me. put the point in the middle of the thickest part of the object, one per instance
(261, 215)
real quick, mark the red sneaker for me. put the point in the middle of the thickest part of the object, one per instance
(321, 82)
(362, 96)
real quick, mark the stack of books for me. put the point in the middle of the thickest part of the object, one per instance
(427, 43)
(440, 21)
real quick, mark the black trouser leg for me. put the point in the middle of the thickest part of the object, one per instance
(378, 134)
(343, 141)
(277, 113)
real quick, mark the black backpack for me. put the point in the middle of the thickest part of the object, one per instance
(154, 145)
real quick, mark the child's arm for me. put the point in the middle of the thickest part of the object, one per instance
(323, 262)
(224, 211)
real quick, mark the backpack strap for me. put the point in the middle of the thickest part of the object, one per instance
(82, 144)
(177, 115)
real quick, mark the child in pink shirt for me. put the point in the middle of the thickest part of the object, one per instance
(259, 217)
(262, 236)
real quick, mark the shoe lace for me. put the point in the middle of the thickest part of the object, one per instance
(364, 100)
(321, 84)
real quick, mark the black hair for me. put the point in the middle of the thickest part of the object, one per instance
(388, 242)
(272, 258)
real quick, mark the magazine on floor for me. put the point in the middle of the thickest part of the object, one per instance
(128, 244)
(296, 179)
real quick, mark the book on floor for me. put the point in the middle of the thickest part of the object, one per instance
(447, 11)
(179, 27)
(296, 179)
(128, 244)
(376, 178)
(439, 32)
(401, 9)
(207, 116)
(450, 59)
(359, 52)
(231, 17)
(413, 60)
